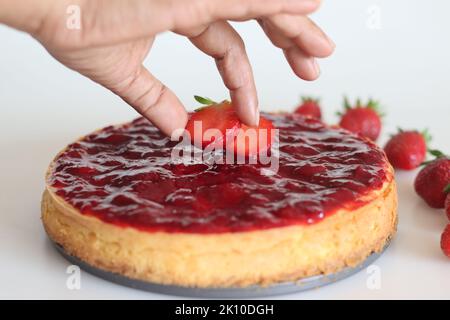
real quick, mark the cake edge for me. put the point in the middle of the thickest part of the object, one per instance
(234, 259)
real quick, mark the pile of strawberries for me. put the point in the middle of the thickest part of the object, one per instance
(406, 150)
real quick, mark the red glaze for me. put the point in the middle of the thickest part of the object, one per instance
(123, 175)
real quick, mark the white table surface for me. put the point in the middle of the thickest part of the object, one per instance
(44, 106)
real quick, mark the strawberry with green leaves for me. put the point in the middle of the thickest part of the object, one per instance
(362, 118)
(222, 117)
(407, 149)
(212, 115)
(309, 107)
(431, 182)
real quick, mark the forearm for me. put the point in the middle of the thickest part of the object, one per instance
(25, 15)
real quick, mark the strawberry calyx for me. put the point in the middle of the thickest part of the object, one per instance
(204, 100)
(425, 134)
(305, 99)
(447, 188)
(437, 155)
(370, 104)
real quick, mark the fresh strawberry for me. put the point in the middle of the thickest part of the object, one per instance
(433, 179)
(363, 119)
(310, 108)
(445, 241)
(251, 141)
(447, 200)
(220, 116)
(407, 149)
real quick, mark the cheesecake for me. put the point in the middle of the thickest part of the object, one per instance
(116, 200)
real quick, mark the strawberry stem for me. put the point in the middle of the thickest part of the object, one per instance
(375, 105)
(347, 105)
(309, 98)
(426, 135)
(436, 153)
(204, 100)
(371, 104)
(447, 189)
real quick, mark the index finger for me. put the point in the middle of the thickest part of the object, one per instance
(233, 65)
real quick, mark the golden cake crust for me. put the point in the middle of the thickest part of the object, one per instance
(263, 257)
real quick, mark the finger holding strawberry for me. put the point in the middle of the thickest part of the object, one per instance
(362, 118)
(212, 115)
(230, 132)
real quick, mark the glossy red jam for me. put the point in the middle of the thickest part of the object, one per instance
(124, 175)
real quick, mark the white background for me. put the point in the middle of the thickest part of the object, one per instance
(44, 106)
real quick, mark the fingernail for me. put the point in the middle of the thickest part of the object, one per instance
(256, 116)
(316, 67)
(331, 41)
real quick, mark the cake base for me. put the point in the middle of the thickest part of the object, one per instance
(343, 240)
(255, 291)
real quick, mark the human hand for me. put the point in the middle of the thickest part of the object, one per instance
(116, 36)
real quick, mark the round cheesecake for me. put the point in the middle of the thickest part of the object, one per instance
(117, 200)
